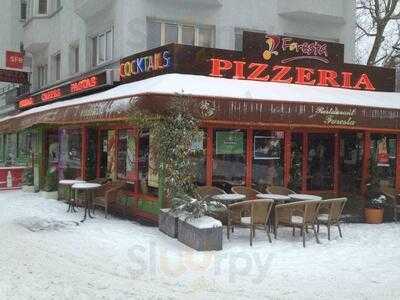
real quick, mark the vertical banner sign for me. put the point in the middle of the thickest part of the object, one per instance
(14, 60)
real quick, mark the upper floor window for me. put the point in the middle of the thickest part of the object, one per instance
(24, 7)
(74, 59)
(41, 76)
(102, 47)
(42, 7)
(161, 33)
(56, 66)
(239, 37)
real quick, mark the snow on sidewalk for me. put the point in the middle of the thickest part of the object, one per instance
(46, 253)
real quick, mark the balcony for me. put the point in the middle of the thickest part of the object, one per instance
(37, 32)
(328, 11)
(89, 8)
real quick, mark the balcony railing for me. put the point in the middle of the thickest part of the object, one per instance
(330, 11)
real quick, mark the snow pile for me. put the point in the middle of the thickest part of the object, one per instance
(36, 224)
(119, 259)
(203, 222)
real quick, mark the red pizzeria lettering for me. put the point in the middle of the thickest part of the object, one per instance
(51, 95)
(83, 85)
(289, 74)
(25, 102)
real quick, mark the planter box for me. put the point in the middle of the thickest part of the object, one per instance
(28, 188)
(373, 216)
(168, 223)
(49, 195)
(202, 234)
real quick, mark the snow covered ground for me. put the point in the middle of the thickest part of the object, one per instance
(44, 254)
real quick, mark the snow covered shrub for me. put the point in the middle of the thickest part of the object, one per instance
(377, 203)
(195, 208)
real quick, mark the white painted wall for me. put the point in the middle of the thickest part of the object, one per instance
(313, 18)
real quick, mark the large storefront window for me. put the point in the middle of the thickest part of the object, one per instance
(70, 153)
(148, 173)
(53, 149)
(126, 155)
(296, 165)
(1, 149)
(384, 155)
(351, 154)
(24, 147)
(268, 158)
(11, 149)
(320, 162)
(199, 158)
(229, 166)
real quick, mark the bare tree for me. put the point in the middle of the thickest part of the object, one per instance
(378, 31)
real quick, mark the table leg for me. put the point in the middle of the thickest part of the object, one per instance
(86, 207)
(89, 203)
(73, 202)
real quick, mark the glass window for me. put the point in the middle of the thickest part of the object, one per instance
(42, 9)
(109, 45)
(11, 149)
(148, 177)
(101, 48)
(23, 9)
(296, 166)
(126, 154)
(384, 155)
(188, 35)
(103, 153)
(74, 59)
(351, 154)
(70, 153)
(91, 158)
(94, 51)
(53, 149)
(153, 34)
(56, 66)
(24, 149)
(268, 158)
(320, 162)
(229, 165)
(206, 38)
(171, 33)
(41, 76)
(198, 148)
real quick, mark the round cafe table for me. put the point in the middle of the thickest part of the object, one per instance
(275, 197)
(229, 198)
(304, 197)
(88, 189)
(68, 184)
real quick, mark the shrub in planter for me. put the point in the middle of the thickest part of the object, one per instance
(27, 177)
(51, 183)
(374, 210)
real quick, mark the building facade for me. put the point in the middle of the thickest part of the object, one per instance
(68, 38)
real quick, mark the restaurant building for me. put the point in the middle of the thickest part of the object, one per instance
(284, 111)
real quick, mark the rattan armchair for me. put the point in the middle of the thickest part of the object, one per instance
(207, 192)
(107, 194)
(394, 199)
(251, 194)
(260, 211)
(279, 190)
(330, 213)
(297, 215)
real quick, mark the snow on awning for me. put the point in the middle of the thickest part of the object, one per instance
(114, 103)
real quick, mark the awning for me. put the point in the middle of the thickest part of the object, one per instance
(113, 104)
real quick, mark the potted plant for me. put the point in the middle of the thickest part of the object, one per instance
(27, 180)
(374, 208)
(50, 190)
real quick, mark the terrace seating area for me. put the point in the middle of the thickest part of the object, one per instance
(276, 208)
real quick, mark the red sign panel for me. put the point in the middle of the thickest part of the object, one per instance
(61, 92)
(14, 60)
(13, 76)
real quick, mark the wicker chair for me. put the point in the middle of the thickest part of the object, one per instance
(258, 219)
(107, 194)
(279, 190)
(394, 198)
(251, 194)
(207, 192)
(297, 215)
(330, 213)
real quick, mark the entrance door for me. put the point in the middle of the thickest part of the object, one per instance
(321, 152)
(351, 154)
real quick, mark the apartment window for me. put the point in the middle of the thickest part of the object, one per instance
(41, 76)
(56, 67)
(102, 47)
(74, 59)
(24, 6)
(42, 8)
(239, 37)
(161, 33)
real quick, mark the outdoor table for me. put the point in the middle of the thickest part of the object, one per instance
(229, 198)
(275, 197)
(88, 189)
(68, 184)
(305, 197)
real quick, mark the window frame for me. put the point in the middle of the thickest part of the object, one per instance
(56, 73)
(181, 25)
(95, 47)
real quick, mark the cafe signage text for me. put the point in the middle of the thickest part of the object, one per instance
(78, 87)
